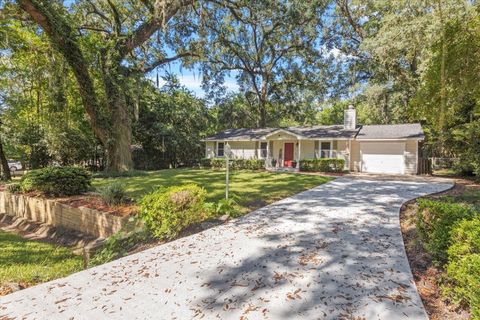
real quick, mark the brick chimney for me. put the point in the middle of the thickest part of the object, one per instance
(350, 118)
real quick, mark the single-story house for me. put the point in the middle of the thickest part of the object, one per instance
(392, 149)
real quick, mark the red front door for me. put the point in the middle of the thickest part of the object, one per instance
(287, 161)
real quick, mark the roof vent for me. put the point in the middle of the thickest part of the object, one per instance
(350, 118)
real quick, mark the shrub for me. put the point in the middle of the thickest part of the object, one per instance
(463, 268)
(169, 210)
(205, 163)
(223, 206)
(14, 188)
(435, 220)
(57, 181)
(119, 245)
(322, 165)
(114, 193)
(238, 164)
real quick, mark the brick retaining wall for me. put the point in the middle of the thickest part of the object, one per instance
(86, 220)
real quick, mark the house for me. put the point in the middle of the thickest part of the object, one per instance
(392, 149)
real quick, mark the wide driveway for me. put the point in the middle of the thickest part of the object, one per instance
(332, 252)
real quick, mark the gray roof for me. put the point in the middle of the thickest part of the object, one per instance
(394, 131)
(241, 134)
(313, 132)
(391, 131)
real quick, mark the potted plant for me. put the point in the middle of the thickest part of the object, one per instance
(274, 163)
(294, 163)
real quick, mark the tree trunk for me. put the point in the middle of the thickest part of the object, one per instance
(119, 154)
(3, 160)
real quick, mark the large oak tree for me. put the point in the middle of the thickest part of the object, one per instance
(108, 44)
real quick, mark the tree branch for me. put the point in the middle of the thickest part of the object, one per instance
(147, 29)
(163, 61)
(63, 37)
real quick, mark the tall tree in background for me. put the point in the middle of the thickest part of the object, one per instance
(107, 44)
(276, 50)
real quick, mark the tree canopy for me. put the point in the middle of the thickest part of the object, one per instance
(76, 76)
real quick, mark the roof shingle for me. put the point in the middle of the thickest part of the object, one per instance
(389, 131)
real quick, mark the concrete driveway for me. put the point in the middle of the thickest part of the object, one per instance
(332, 252)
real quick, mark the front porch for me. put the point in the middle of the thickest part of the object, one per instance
(283, 151)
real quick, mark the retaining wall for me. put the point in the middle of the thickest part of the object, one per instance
(86, 220)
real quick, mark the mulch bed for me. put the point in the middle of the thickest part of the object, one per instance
(88, 200)
(427, 276)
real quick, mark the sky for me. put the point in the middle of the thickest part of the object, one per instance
(191, 79)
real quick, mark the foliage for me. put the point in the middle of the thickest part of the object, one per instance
(205, 163)
(119, 245)
(322, 165)
(435, 220)
(14, 188)
(113, 194)
(273, 47)
(170, 126)
(57, 181)
(238, 164)
(32, 262)
(167, 211)
(223, 206)
(463, 268)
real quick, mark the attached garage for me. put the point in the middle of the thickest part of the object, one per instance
(383, 157)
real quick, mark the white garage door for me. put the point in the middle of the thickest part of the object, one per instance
(383, 157)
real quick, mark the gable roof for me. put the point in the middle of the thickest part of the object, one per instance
(304, 132)
(391, 131)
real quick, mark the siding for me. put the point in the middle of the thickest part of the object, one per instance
(355, 164)
(209, 149)
(411, 157)
(243, 149)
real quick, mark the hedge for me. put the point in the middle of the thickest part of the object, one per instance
(322, 165)
(463, 268)
(435, 220)
(234, 164)
(57, 181)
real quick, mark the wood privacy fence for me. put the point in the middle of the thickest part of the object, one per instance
(424, 166)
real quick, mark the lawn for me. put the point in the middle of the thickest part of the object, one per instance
(30, 262)
(251, 189)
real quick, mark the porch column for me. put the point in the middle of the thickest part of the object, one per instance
(268, 161)
(299, 153)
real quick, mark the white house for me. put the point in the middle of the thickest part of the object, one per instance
(389, 149)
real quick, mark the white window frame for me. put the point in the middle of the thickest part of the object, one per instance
(223, 149)
(330, 150)
(261, 149)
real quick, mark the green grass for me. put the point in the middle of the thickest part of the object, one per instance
(251, 189)
(32, 262)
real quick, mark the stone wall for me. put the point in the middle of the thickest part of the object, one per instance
(88, 221)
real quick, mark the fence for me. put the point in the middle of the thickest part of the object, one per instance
(424, 166)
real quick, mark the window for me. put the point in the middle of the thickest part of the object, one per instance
(220, 149)
(325, 149)
(263, 149)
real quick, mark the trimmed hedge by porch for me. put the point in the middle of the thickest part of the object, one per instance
(235, 164)
(322, 165)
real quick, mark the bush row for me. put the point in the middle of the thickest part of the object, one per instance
(451, 234)
(322, 165)
(235, 164)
